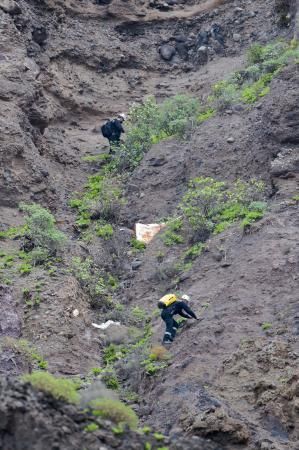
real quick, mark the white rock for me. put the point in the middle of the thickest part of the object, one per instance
(76, 313)
(105, 325)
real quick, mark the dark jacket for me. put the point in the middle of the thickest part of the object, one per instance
(116, 130)
(180, 308)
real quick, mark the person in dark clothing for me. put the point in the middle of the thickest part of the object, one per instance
(203, 38)
(217, 34)
(113, 129)
(181, 308)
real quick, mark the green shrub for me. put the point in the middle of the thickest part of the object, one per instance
(159, 436)
(170, 238)
(39, 255)
(138, 245)
(205, 115)
(224, 95)
(103, 157)
(115, 411)
(193, 252)
(266, 326)
(176, 113)
(209, 205)
(96, 371)
(104, 231)
(152, 368)
(258, 89)
(252, 83)
(110, 380)
(97, 283)
(103, 196)
(91, 427)
(82, 268)
(60, 388)
(25, 269)
(41, 228)
(255, 54)
(113, 353)
(12, 233)
(76, 203)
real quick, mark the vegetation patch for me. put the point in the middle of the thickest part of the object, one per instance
(150, 123)
(97, 283)
(13, 232)
(26, 350)
(249, 85)
(266, 326)
(59, 388)
(211, 206)
(102, 199)
(104, 231)
(172, 234)
(42, 231)
(137, 246)
(114, 410)
(91, 427)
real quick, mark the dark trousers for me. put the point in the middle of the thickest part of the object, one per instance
(171, 329)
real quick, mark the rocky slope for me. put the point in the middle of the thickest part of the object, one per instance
(65, 67)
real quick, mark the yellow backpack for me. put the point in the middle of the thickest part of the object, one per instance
(167, 300)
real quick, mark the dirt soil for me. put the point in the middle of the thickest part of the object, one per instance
(67, 66)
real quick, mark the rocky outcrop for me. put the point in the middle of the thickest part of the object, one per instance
(32, 420)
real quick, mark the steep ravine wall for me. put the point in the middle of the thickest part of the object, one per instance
(67, 66)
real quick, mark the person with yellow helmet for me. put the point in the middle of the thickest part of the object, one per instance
(171, 306)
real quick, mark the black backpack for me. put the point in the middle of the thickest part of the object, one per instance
(107, 129)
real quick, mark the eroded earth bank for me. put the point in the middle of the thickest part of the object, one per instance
(230, 381)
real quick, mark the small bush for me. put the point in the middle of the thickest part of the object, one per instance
(110, 379)
(39, 255)
(102, 199)
(12, 233)
(266, 326)
(96, 371)
(138, 245)
(225, 94)
(97, 283)
(152, 368)
(211, 206)
(205, 115)
(113, 353)
(105, 231)
(91, 427)
(159, 353)
(193, 252)
(41, 228)
(60, 388)
(176, 113)
(25, 269)
(115, 411)
(171, 238)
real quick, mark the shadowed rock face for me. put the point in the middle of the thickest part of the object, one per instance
(64, 68)
(31, 420)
